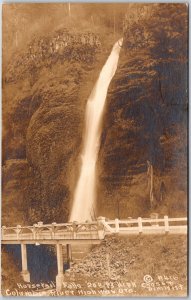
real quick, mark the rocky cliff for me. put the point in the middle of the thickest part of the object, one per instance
(145, 119)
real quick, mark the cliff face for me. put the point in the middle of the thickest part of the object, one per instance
(43, 122)
(145, 120)
(45, 89)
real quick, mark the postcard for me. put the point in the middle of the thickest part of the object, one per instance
(94, 149)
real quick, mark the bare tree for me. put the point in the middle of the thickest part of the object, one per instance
(150, 182)
(69, 9)
(114, 23)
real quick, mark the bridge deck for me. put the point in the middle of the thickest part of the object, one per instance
(51, 242)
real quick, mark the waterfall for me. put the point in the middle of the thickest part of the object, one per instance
(84, 195)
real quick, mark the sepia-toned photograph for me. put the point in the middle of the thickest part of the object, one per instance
(94, 149)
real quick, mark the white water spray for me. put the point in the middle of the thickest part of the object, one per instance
(84, 196)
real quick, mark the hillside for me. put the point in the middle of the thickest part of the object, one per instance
(119, 267)
(124, 261)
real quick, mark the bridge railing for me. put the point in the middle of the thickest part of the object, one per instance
(54, 231)
(94, 230)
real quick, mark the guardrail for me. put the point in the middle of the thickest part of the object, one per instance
(94, 230)
(146, 225)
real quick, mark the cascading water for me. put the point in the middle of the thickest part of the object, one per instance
(84, 196)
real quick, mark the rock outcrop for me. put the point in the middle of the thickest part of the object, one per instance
(45, 89)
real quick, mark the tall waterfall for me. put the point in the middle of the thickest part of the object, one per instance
(84, 196)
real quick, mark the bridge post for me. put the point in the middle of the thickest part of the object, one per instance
(117, 225)
(18, 231)
(53, 229)
(24, 273)
(74, 226)
(3, 231)
(166, 224)
(60, 276)
(100, 222)
(140, 225)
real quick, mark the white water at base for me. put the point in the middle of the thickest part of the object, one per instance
(84, 196)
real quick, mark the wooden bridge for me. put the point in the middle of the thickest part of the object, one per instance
(94, 232)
